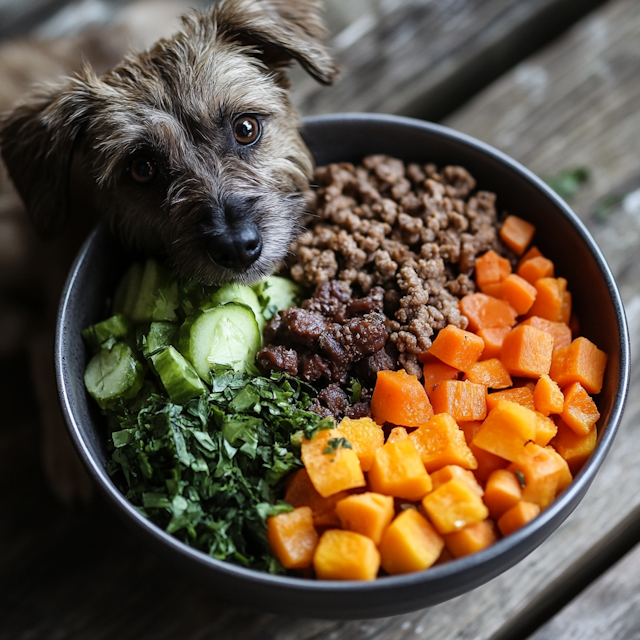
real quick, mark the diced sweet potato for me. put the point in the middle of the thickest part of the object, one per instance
(397, 433)
(517, 517)
(462, 400)
(549, 298)
(410, 544)
(435, 371)
(579, 411)
(487, 462)
(547, 396)
(453, 506)
(441, 442)
(533, 252)
(471, 539)
(486, 312)
(458, 348)
(365, 436)
(398, 471)
(493, 339)
(517, 233)
(489, 373)
(573, 448)
(559, 331)
(491, 268)
(535, 268)
(502, 492)
(366, 513)
(527, 352)
(546, 430)
(518, 293)
(300, 492)
(520, 395)
(400, 399)
(580, 362)
(452, 471)
(332, 467)
(346, 555)
(293, 538)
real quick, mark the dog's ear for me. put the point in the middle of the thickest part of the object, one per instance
(283, 29)
(37, 140)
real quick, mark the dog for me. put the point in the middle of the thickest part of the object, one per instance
(190, 150)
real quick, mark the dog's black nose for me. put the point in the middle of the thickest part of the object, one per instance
(237, 249)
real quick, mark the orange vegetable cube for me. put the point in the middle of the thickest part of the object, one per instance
(580, 362)
(452, 471)
(332, 467)
(580, 411)
(457, 348)
(346, 555)
(435, 371)
(494, 289)
(520, 395)
(573, 448)
(533, 252)
(400, 399)
(502, 491)
(365, 436)
(441, 442)
(491, 268)
(487, 462)
(565, 310)
(410, 544)
(493, 339)
(517, 517)
(462, 400)
(549, 299)
(517, 233)
(366, 513)
(397, 433)
(527, 352)
(508, 427)
(535, 268)
(454, 505)
(398, 471)
(486, 312)
(471, 539)
(559, 331)
(546, 430)
(293, 538)
(547, 396)
(489, 373)
(300, 492)
(518, 293)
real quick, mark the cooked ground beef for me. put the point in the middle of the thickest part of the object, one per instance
(388, 239)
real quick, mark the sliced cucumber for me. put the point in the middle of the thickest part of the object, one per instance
(160, 336)
(108, 331)
(277, 294)
(178, 376)
(127, 292)
(113, 374)
(242, 294)
(225, 334)
(158, 295)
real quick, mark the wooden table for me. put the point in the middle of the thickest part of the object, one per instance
(567, 94)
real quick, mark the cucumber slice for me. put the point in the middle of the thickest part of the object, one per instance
(225, 334)
(160, 336)
(108, 331)
(242, 294)
(158, 295)
(127, 292)
(277, 294)
(178, 376)
(113, 374)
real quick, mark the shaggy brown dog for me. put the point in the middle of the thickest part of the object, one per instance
(190, 150)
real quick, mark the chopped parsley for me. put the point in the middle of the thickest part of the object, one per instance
(336, 443)
(521, 479)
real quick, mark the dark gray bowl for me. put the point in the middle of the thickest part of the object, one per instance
(563, 238)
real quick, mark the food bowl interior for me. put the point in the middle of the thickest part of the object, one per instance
(560, 236)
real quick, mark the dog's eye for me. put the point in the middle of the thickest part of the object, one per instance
(143, 170)
(246, 129)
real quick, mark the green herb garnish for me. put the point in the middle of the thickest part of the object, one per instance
(336, 443)
(567, 182)
(521, 479)
(354, 390)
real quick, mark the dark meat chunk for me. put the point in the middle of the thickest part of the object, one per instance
(372, 302)
(383, 360)
(301, 327)
(312, 367)
(330, 299)
(365, 335)
(334, 399)
(278, 358)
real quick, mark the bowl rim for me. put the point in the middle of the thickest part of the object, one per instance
(512, 544)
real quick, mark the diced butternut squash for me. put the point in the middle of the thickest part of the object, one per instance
(549, 298)
(435, 371)
(565, 310)
(409, 544)
(491, 268)
(520, 395)
(471, 539)
(366, 513)
(535, 268)
(462, 400)
(580, 362)
(518, 293)
(441, 442)
(573, 448)
(493, 339)
(458, 348)
(452, 471)
(579, 411)
(400, 399)
(398, 471)
(293, 538)
(547, 396)
(365, 436)
(397, 433)
(546, 430)
(516, 517)
(300, 492)
(346, 555)
(489, 373)
(517, 233)
(533, 252)
(502, 491)
(331, 465)
(559, 331)
(508, 427)
(486, 312)
(453, 506)
(527, 352)
(487, 462)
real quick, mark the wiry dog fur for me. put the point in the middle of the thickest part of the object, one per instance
(69, 148)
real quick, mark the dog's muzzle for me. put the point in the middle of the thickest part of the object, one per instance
(237, 249)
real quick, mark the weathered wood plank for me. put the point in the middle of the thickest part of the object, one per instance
(426, 57)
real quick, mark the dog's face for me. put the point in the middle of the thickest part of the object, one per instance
(190, 149)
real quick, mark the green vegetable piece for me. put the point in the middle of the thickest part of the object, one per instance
(242, 294)
(178, 376)
(161, 335)
(107, 332)
(113, 374)
(227, 334)
(277, 294)
(127, 292)
(158, 296)
(336, 443)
